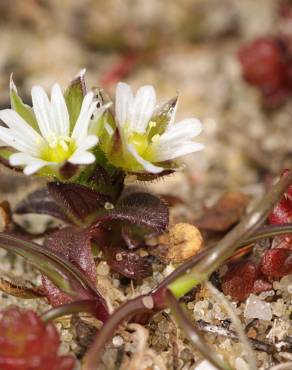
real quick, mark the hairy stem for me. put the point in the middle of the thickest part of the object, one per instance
(192, 333)
(226, 247)
(88, 305)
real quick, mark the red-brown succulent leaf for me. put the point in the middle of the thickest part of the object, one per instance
(239, 280)
(277, 263)
(26, 343)
(264, 64)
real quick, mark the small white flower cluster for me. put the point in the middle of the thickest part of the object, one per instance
(44, 137)
(134, 120)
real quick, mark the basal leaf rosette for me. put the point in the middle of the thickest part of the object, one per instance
(146, 138)
(43, 138)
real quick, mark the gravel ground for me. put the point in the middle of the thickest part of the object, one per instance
(190, 48)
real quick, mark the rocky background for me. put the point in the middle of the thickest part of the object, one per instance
(186, 46)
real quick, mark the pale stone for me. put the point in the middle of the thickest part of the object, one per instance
(257, 309)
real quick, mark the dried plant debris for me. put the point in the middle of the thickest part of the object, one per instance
(182, 242)
(225, 213)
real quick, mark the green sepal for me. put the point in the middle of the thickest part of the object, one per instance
(74, 96)
(24, 110)
(162, 117)
(5, 152)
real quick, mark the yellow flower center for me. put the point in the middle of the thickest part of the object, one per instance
(139, 141)
(58, 149)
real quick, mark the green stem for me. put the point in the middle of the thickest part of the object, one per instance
(89, 305)
(127, 310)
(267, 232)
(192, 333)
(226, 247)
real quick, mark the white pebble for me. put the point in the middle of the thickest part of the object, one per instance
(240, 364)
(205, 365)
(118, 341)
(257, 309)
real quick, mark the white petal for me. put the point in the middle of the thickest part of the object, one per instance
(124, 101)
(2, 143)
(87, 109)
(82, 158)
(89, 142)
(143, 108)
(60, 113)
(31, 164)
(183, 130)
(15, 140)
(34, 167)
(93, 126)
(164, 153)
(146, 164)
(14, 121)
(18, 159)
(42, 110)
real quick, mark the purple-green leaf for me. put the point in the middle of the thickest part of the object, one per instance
(127, 263)
(78, 202)
(69, 279)
(73, 245)
(40, 202)
(142, 209)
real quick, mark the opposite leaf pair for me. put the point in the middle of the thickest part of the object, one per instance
(115, 230)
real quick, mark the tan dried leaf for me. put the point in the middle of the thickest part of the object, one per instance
(226, 212)
(5, 215)
(27, 291)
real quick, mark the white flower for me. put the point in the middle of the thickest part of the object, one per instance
(51, 142)
(142, 138)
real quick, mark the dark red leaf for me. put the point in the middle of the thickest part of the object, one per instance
(74, 245)
(68, 170)
(265, 64)
(78, 202)
(29, 344)
(133, 237)
(139, 208)
(69, 278)
(239, 280)
(277, 262)
(282, 212)
(41, 202)
(127, 263)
